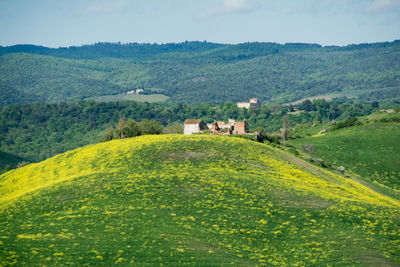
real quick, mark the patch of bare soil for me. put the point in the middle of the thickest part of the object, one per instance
(292, 200)
(187, 155)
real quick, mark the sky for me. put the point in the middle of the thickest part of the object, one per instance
(55, 23)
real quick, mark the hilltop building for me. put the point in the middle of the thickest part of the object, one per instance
(192, 126)
(252, 103)
(214, 127)
(241, 127)
(231, 127)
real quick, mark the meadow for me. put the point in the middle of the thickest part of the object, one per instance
(370, 150)
(195, 200)
(154, 98)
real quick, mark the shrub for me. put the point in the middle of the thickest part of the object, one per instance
(309, 148)
(130, 128)
(22, 164)
(384, 120)
(272, 139)
(108, 134)
(176, 128)
(349, 122)
(150, 127)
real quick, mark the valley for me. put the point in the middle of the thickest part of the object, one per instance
(95, 169)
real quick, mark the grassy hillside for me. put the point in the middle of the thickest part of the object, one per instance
(204, 200)
(371, 150)
(201, 72)
(155, 98)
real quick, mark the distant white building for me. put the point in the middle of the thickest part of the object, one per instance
(252, 103)
(135, 92)
(194, 126)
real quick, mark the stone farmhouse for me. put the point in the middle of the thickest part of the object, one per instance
(252, 103)
(232, 127)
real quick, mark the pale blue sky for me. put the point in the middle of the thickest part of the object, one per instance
(57, 23)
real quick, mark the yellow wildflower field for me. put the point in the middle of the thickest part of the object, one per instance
(201, 200)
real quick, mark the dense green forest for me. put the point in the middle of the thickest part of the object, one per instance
(200, 71)
(37, 131)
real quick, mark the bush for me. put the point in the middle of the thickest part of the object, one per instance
(272, 139)
(130, 128)
(22, 164)
(385, 120)
(150, 127)
(176, 128)
(309, 148)
(349, 122)
(108, 134)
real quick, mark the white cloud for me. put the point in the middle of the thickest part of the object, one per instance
(228, 7)
(103, 7)
(384, 5)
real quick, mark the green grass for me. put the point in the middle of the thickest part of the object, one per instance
(371, 150)
(201, 200)
(125, 97)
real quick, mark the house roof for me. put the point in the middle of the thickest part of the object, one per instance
(240, 123)
(192, 121)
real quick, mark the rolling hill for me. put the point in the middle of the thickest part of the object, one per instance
(200, 71)
(203, 200)
(369, 149)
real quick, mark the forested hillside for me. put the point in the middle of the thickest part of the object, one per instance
(200, 71)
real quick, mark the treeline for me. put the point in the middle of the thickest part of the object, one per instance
(108, 49)
(127, 128)
(35, 132)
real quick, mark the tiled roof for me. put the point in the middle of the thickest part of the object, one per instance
(192, 121)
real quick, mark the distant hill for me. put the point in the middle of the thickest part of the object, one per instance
(115, 50)
(203, 200)
(200, 71)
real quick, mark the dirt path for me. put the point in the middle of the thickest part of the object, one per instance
(359, 180)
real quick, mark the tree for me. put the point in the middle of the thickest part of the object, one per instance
(285, 129)
(108, 134)
(126, 128)
(150, 127)
(131, 129)
(120, 128)
(306, 105)
(275, 108)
